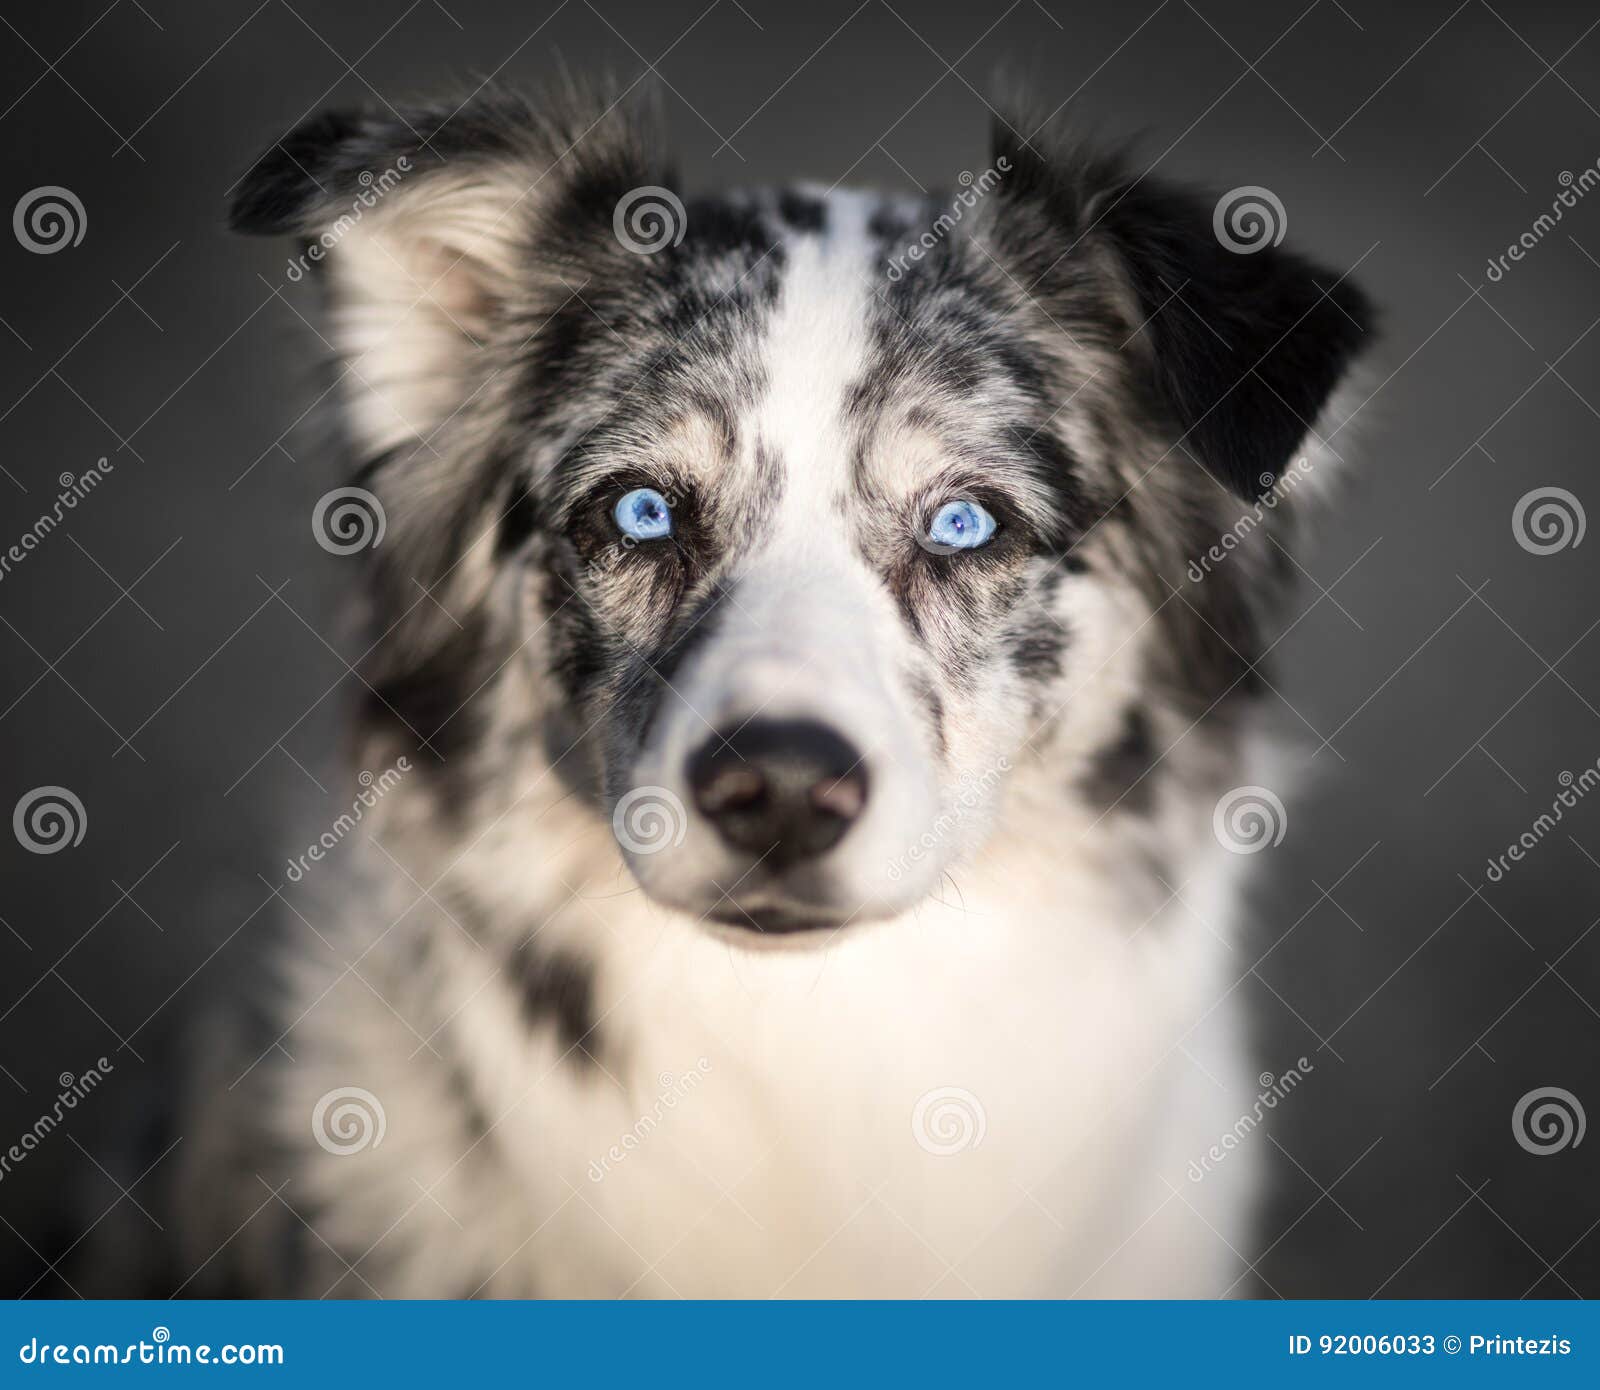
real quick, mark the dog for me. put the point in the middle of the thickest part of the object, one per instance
(816, 659)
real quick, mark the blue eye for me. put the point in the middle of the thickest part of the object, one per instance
(643, 514)
(960, 525)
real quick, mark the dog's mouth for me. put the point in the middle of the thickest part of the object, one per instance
(755, 910)
(774, 914)
(776, 921)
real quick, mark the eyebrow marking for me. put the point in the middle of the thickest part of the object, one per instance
(677, 453)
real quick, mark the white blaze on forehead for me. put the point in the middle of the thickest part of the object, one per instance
(815, 350)
(809, 630)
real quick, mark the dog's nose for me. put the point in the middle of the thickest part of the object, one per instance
(786, 790)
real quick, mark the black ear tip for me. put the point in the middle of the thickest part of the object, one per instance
(269, 200)
(284, 183)
(1358, 307)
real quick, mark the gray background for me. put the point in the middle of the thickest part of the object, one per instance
(147, 664)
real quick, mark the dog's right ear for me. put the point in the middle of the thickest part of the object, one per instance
(1244, 341)
(434, 227)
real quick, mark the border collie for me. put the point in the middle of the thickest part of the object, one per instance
(815, 679)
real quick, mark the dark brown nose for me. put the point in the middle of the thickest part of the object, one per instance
(781, 790)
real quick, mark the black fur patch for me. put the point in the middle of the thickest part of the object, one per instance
(557, 988)
(518, 521)
(1117, 774)
(803, 213)
(431, 701)
(1245, 348)
(1037, 647)
(323, 159)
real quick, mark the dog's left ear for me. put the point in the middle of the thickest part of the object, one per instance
(437, 229)
(1245, 340)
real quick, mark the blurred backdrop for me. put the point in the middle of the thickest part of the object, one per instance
(172, 655)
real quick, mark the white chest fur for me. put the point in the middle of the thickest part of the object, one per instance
(998, 1095)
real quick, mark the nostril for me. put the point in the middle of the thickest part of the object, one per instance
(841, 796)
(729, 787)
(783, 789)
